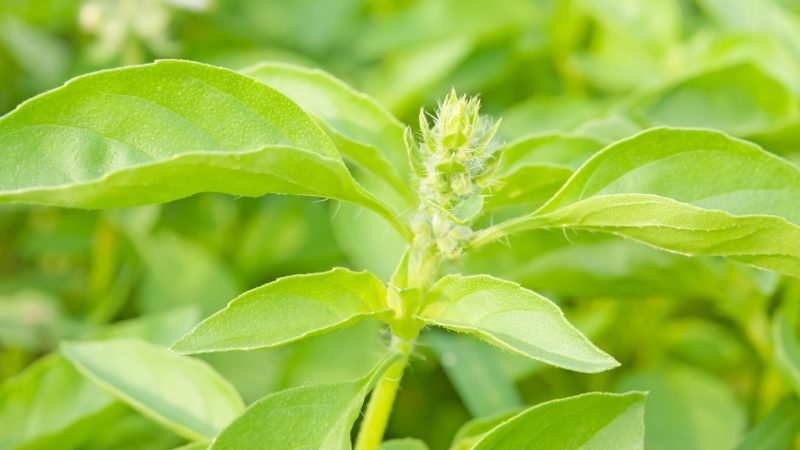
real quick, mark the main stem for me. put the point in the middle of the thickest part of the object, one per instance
(420, 268)
(380, 405)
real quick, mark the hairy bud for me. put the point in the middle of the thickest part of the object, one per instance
(453, 160)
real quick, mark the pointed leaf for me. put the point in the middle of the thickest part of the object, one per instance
(308, 417)
(657, 188)
(359, 126)
(184, 394)
(289, 309)
(513, 318)
(163, 131)
(590, 421)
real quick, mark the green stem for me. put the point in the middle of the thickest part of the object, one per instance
(411, 280)
(382, 399)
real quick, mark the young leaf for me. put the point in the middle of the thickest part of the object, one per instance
(589, 421)
(184, 394)
(289, 309)
(307, 417)
(359, 126)
(163, 131)
(513, 318)
(656, 188)
(50, 405)
(777, 430)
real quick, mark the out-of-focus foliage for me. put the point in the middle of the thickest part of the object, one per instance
(715, 342)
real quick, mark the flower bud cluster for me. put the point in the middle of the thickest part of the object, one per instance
(453, 161)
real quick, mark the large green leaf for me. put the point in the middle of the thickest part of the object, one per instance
(163, 131)
(658, 188)
(289, 309)
(50, 405)
(590, 421)
(360, 127)
(307, 417)
(507, 315)
(184, 394)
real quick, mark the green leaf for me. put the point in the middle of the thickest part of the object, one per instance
(50, 405)
(308, 417)
(687, 408)
(183, 394)
(656, 188)
(589, 421)
(475, 370)
(289, 309)
(404, 444)
(777, 430)
(513, 318)
(359, 126)
(163, 131)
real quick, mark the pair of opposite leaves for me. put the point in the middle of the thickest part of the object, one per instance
(167, 130)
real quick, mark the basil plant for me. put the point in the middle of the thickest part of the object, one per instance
(160, 132)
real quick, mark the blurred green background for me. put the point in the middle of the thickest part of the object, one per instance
(698, 333)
